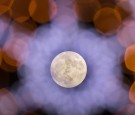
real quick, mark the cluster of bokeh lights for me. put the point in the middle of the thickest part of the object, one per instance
(35, 33)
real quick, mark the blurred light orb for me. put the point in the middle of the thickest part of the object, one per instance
(107, 20)
(42, 11)
(132, 93)
(124, 8)
(130, 58)
(86, 9)
(126, 33)
(5, 5)
(8, 103)
(68, 69)
(19, 10)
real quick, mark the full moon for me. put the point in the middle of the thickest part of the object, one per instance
(68, 69)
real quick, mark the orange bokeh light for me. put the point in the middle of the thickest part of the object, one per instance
(19, 10)
(130, 58)
(5, 5)
(86, 9)
(107, 20)
(42, 11)
(14, 53)
(124, 8)
(132, 93)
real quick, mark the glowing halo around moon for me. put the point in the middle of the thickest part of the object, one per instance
(68, 69)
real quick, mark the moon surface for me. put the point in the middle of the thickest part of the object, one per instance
(68, 69)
